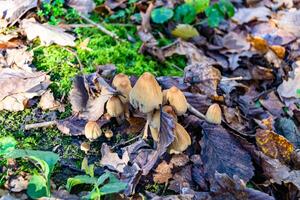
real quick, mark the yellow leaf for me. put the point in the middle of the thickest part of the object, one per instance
(185, 31)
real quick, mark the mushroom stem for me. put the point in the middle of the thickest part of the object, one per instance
(149, 118)
(196, 112)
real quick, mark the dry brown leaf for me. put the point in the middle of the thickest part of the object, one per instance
(112, 160)
(48, 102)
(291, 87)
(289, 22)
(18, 86)
(274, 145)
(245, 15)
(82, 6)
(163, 172)
(235, 42)
(48, 34)
(179, 160)
(259, 43)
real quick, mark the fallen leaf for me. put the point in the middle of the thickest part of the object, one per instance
(179, 160)
(203, 77)
(14, 9)
(112, 160)
(18, 184)
(245, 15)
(235, 43)
(18, 86)
(222, 153)
(48, 102)
(272, 103)
(185, 31)
(276, 171)
(290, 88)
(72, 126)
(48, 34)
(200, 102)
(131, 176)
(225, 187)
(274, 145)
(163, 172)
(289, 22)
(287, 128)
(182, 179)
(82, 6)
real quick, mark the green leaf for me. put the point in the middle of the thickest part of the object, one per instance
(226, 8)
(185, 31)
(214, 15)
(88, 169)
(199, 5)
(45, 159)
(161, 15)
(105, 176)
(185, 13)
(7, 144)
(37, 187)
(113, 187)
(94, 194)
(80, 179)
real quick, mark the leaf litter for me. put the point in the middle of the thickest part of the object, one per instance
(247, 67)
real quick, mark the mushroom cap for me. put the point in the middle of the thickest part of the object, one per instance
(114, 107)
(177, 100)
(155, 125)
(123, 85)
(92, 130)
(214, 114)
(108, 134)
(181, 141)
(169, 109)
(146, 95)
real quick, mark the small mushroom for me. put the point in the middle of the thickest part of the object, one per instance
(123, 85)
(114, 107)
(176, 99)
(169, 109)
(146, 95)
(108, 134)
(85, 146)
(214, 114)
(155, 125)
(181, 141)
(92, 130)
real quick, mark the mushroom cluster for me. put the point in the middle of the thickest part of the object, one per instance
(147, 97)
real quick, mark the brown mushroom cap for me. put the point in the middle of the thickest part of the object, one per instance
(181, 141)
(155, 125)
(169, 109)
(114, 107)
(177, 100)
(92, 130)
(108, 134)
(146, 95)
(85, 146)
(214, 114)
(123, 85)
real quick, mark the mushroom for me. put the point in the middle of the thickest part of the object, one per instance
(214, 114)
(181, 141)
(123, 85)
(155, 125)
(176, 99)
(92, 130)
(146, 95)
(108, 134)
(114, 107)
(85, 146)
(169, 109)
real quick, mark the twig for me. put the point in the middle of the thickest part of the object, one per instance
(126, 142)
(100, 27)
(40, 125)
(196, 112)
(232, 79)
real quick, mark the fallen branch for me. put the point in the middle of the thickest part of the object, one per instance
(126, 142)
(40, 125)
(196, 112)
